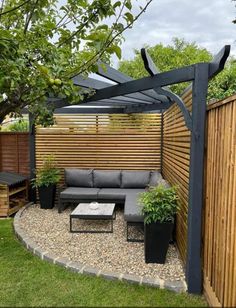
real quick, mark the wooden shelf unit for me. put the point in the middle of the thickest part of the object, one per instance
(12, 198)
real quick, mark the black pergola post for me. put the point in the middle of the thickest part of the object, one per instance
(194, 253)
(32, 191)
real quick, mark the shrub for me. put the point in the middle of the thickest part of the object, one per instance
(48, 174)
(19, 126)
(159, 204)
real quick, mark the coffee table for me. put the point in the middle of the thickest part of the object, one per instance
(104, 211)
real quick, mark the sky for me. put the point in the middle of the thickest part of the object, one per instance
(206, 22)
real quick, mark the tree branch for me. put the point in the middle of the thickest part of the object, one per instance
(94, 58)
(14, 8)
(30, 16)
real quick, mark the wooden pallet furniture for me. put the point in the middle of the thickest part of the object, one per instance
(13, 193)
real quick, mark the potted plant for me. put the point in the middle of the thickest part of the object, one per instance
(46, 180)
(159, 206)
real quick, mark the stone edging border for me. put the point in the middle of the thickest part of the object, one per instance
(176, 286)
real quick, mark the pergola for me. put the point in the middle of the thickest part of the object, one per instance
(151, 94)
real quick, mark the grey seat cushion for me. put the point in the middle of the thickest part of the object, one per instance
(107, 178)
(116, 193)
(135, 179)
(132, 211)
(155, 178)
(79, 177)
(79, 193)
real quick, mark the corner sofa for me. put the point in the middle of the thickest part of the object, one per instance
(118, 186)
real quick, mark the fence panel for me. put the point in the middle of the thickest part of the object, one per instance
(176, 159)
(14, 152)
(219, 234)
(116, 141)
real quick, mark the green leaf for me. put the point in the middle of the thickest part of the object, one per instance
(116, 4)
(115, 49)
(129, 17)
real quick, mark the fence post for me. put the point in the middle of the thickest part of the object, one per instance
(196, 180)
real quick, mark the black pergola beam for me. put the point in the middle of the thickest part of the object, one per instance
(146, 83)
(148, 108)
(152, 70)
(218, 62)
(87, 110)
(98, 84)
(120, 77)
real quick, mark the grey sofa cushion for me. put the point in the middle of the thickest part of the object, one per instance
(79, 177)
(79, 193)
(155, 178)
(116, 193)
(135, 179)
(132, 211)
(107, 178)
(164, 183)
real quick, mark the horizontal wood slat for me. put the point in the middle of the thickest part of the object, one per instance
(175, 165)
(102, 141)
(14, 152)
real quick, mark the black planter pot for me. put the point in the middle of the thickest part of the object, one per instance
(156, 241)
(47, 196)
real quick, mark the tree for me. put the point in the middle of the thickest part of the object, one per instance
(44, 44)
(180, 53)
(224, 84)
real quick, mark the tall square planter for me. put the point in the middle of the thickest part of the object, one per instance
(47, 196)
(156, 241)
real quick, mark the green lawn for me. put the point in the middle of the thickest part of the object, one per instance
(26, 281)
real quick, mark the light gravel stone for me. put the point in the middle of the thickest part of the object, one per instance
(108, 253)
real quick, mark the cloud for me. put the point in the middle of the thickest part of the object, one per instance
(208, 23)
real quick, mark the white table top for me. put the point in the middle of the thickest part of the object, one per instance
(103, 210)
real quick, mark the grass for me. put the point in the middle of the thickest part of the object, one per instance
(27, 281)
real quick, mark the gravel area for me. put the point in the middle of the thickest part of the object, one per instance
(109, 251)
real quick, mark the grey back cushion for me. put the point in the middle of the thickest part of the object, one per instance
(135, 179)
(107, 178)
(79, 177)
(155, 178)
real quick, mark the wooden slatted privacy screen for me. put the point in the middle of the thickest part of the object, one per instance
(176, 159)
(219, 234)
(14, 152)
(116, 141)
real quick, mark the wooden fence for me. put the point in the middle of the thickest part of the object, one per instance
(116, 141)
(176, 158)
(219, 234)
(14, 152)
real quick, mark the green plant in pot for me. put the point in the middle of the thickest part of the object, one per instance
(159, 206)
(46, 180)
